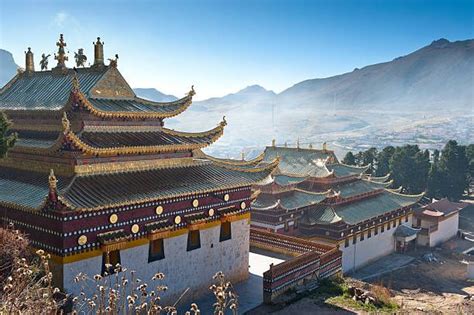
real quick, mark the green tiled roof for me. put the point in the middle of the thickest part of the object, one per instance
(342, 170)
(137, 105)
(299, 162)
(358, 187)
(289, 200)
(405, 231)
(365, 209)
(284, 180)
(322, 215)
(46, 90)
(30, 189)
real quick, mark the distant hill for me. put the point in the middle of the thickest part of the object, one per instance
(154, 95)
(7, 67)
(436, 77)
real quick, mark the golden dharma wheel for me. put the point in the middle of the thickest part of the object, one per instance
(113, 218)
(195, 203)
(243, 205)
(135, 228)
(159, 210)
(177, 219)
(226, 197)
(82, 240)
(211, 212)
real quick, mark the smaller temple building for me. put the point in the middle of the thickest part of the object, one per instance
(438, 221)
(316, 197)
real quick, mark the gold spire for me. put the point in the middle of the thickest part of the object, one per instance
(242, 156)
(75, 83)
(298, 143)
(29, 62)
(61, 56)
(273, 142)
(310, 146)
(325, 146)
(98, 53)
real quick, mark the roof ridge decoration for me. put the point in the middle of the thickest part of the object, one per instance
(270, 166)
(414, 196)
(313, 192)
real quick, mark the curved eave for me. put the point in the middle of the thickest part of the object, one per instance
(216, 133)
(253, 162)
(381, 184)
(380, 179)
(272, 166)
(185, 103)
(30, 149)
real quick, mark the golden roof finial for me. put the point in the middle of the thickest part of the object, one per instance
(113, 62)
(310, 146)
(286, 144)
(273, 142)
(298, 143)
(242, 156)
(66, 123)
(98, 53)
(325, 146)
(61, 56)
(223, 122)
(29, 62)
(53, 182)
(192, 92)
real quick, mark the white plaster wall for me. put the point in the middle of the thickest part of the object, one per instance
(446, 230)
(357, 255)
(183, 269)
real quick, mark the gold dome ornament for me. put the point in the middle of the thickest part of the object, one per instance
(82, 240)
(243, 205)
(195, 203)
(226, 197)
(113, 218)
(135, 228)
(211, 212)
(159, 210)
(177, 219)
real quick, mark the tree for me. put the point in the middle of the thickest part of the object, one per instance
(349, 159)
(409, 168)
(369, 157)
(7, 139)
(435, 178)
(454, 165)
(383, 161)
(470, 159)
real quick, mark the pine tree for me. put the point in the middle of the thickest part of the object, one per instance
(349, 159)
(369, 157)
(409, 168)
(7, 139)
(383, 161)
(454, 165)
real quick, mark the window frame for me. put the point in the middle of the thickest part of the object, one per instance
(190, 245)
(160, 254)
(225, 236)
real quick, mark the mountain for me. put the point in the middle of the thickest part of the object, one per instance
(7, 67)
(436, 77)
(154, 95)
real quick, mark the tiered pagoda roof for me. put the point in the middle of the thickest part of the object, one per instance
(102, 146)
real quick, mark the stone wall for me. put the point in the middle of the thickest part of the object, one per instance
(183, 269)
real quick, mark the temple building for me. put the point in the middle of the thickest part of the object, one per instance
(316, 197)
(96, 179)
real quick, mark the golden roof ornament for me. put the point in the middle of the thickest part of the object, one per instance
(298, 143)
(192, 92)
(310, 146)
(53, 182)
(325, 146)
(242, 156)
(223, 122)
(286, 144)
(75, 83)
(29, 62)
(66, 123)
(61, 56)
(80, 57)
(44, 61)
(273, 142)
(98, 53)
(113, 62)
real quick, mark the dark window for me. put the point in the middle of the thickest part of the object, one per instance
(156, 251)
(362, 236)
(406, 218)
(399, 221)
(295, 224)
(226, 233)
(354, 239)
(382, 228)
(394, 223)
(369, 233)
(286, 226)
(418, 222)
(194, 240)
(388, 226)
(376, 231)
(346, 242)
(110, 261)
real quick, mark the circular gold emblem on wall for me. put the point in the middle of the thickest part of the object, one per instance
(243, 205)
(135, 228)
(177, 219)
(159, 210)
(226, 197)
(113, 218)
(195, 203)
(82, 240)
(211, 212)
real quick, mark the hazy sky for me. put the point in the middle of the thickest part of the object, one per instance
(223, 46)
